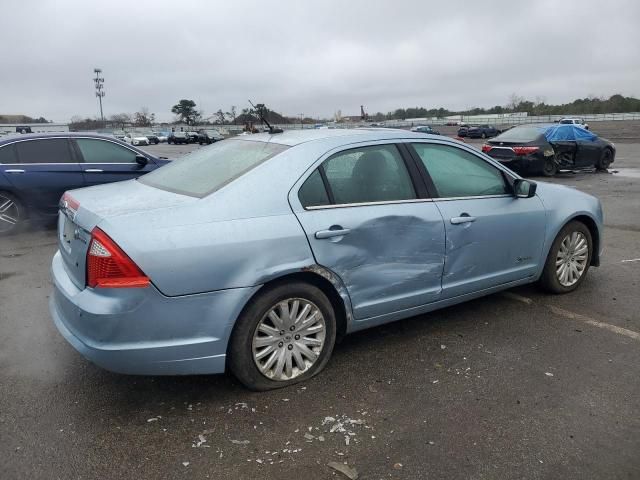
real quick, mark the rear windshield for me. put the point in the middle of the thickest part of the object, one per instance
(519, 134)
(206, 170)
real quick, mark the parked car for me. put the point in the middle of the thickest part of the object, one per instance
(162, 136)
(575, 121)
(136, 139)
(482, 131)
(462, 131)
(192, 137)
(36, 169)
(119, 134)
(209, 136)
(153, 138)
(178, 138)
(188, 271)
(545, 149)
(425, 129)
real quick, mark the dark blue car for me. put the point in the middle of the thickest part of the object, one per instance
(36, 169)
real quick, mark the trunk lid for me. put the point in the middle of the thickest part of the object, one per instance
(87, 207)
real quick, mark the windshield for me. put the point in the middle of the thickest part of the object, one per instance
(205, 171)
(566, 121)
(519, 134)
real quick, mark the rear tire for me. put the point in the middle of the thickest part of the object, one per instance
(567, 251)
(605, 160)
(256, 338)
(550, 167)
(13, 214)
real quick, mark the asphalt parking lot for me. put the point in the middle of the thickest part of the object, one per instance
(515, 385)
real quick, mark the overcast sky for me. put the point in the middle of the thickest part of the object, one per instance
(312, 57)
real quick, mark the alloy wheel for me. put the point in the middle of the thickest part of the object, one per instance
(572, 257)
(9, 214)
(289, 339)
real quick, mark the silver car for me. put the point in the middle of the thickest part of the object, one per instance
(255, 253)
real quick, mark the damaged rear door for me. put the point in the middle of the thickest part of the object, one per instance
(367, 221)
(493, 238)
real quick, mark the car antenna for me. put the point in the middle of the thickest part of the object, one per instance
(272, 130)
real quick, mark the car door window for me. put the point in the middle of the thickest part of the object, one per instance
(8, 155)
(49, 150)
(103, 151)
(368, 174)
(312, 193)
(458, 173)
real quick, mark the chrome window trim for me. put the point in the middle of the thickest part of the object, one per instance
(367, 204)
(474, 197)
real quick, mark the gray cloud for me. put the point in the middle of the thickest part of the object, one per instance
(312, 57)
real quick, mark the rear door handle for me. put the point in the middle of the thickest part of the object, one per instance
(464, 218)
(93, 170)
(14, 170)
(332, 233)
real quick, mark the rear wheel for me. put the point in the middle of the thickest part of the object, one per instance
(568, 260)
(550, 167)
(12, 214)
(605, 159)
(284, 336)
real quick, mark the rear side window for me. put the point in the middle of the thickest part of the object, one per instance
(457, 173)
(49, 150)
(312, 193)
(206, 170)
(8, 154)
(102, 151)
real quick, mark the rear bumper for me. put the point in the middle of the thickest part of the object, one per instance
(140, 331)
(523, 165)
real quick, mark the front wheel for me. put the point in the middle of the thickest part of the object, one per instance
(568, 260)
(12, 214)
(284, 336)
(605, 159)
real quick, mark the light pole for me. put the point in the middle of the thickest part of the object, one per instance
(301, 120)
(99, 81)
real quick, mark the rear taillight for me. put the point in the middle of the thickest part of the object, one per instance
(486, 148)
(109, 267)
(524, 150)
(67, 201)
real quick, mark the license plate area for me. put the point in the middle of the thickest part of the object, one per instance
(67, 233)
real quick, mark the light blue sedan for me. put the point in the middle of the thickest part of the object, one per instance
(256, 253)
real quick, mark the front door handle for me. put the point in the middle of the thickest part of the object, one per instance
(338, 232)
(14, 170)
(463, 218)
(93, 170)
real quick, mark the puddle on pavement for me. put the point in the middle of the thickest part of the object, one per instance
(626, 172)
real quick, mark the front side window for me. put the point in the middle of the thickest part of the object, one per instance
(457, 173)
(49, 150)
(368, 174)
(102, 151)
(204, 171)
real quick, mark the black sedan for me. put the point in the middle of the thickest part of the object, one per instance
(209, 136)
(546, 149)
(482, 131)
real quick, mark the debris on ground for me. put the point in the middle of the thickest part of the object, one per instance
(346, 470)
(548, 374)
(240, 442)
(186, 464)
(397, 466)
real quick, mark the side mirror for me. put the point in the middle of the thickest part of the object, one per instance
(142, 160)
(524, 188)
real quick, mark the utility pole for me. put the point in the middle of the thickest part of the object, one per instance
(99, 81)
(301, 120)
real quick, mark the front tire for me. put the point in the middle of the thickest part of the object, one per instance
(605, 160)
(12, 214)
(285, 335)
(568, 260)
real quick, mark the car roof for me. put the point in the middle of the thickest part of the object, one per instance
(33, 136)
(297, 137)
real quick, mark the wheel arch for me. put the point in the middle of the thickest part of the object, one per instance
(322, 278)
(594, 230)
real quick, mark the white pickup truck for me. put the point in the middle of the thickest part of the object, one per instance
(575, 121)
